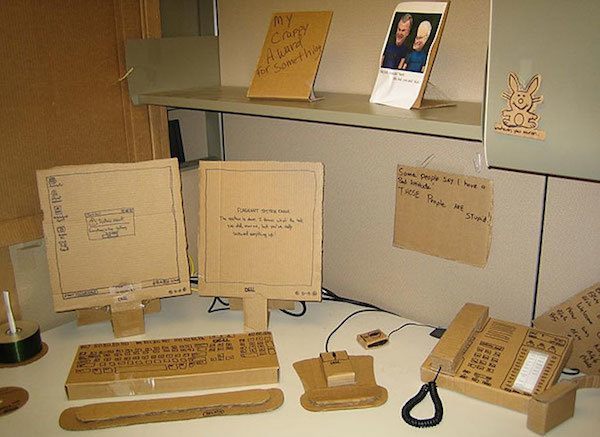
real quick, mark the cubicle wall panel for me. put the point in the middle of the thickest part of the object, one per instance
(570, 259)
(359, 259)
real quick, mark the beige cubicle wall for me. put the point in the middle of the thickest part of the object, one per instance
(570, 259)
(358, 257)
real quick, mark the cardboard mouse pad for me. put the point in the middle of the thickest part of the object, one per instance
(114, 233)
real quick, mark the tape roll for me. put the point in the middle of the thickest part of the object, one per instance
(25, 344)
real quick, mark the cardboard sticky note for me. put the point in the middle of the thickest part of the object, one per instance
(443, 214)
(114, 233)
(578, 318)
(260, 229)
(288, 64)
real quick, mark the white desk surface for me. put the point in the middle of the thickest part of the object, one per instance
(396, 368)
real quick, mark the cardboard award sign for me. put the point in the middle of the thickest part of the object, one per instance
(288, 64)
(114, 237)
(260, 233)
(408, 53)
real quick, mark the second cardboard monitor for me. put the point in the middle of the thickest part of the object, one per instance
(260, 233)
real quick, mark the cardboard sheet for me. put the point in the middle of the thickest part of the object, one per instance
(578, 318)
(114, 233)
(169, 365)
(261, 230)
(443, 214)
(290, 57)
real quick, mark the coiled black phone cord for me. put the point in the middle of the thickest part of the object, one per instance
(431, 388)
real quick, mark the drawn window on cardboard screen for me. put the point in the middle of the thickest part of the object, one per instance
(261, 229)
(519, 117)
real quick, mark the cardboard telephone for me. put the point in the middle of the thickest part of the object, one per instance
(506, 364)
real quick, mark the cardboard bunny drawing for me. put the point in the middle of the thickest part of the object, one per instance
(519, 117)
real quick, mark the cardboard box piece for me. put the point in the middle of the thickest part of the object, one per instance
(496, 361)
(578, 318)
(114, 235)
(169, 365)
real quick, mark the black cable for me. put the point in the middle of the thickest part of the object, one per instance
(212, 308)
(431, 388)
(300, 314)
(344, 321)
(410, 324)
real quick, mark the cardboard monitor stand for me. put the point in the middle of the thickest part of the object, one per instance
(260, 235)
(114, 237)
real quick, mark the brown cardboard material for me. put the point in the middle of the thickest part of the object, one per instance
(552, 407)
(557, 404)
(372, 339)
(88, 316)
(519, 118)
(319, 395)
(503, 363)
(260, 233)
(169, 365)
(288, 64)
(114, 236)
(449, 352)
(61, 100)
(443, 214)
(579, 318)
(112, 414)
(237, 304)
(337, 369)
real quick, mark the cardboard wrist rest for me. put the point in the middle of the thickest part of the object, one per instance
(113, 414)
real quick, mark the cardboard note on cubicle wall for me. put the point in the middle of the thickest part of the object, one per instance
(288, 64)
(443, 214)
(114, 233)
(260, 230)
(578, 318)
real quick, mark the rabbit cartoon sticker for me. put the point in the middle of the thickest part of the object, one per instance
(519, 117)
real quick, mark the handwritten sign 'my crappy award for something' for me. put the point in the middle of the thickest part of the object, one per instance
(290, 57)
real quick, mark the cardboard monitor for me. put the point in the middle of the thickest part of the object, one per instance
(114, 237)
(260, 233)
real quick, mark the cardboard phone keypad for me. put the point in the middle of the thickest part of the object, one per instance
(496, 361)
(170, 365)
